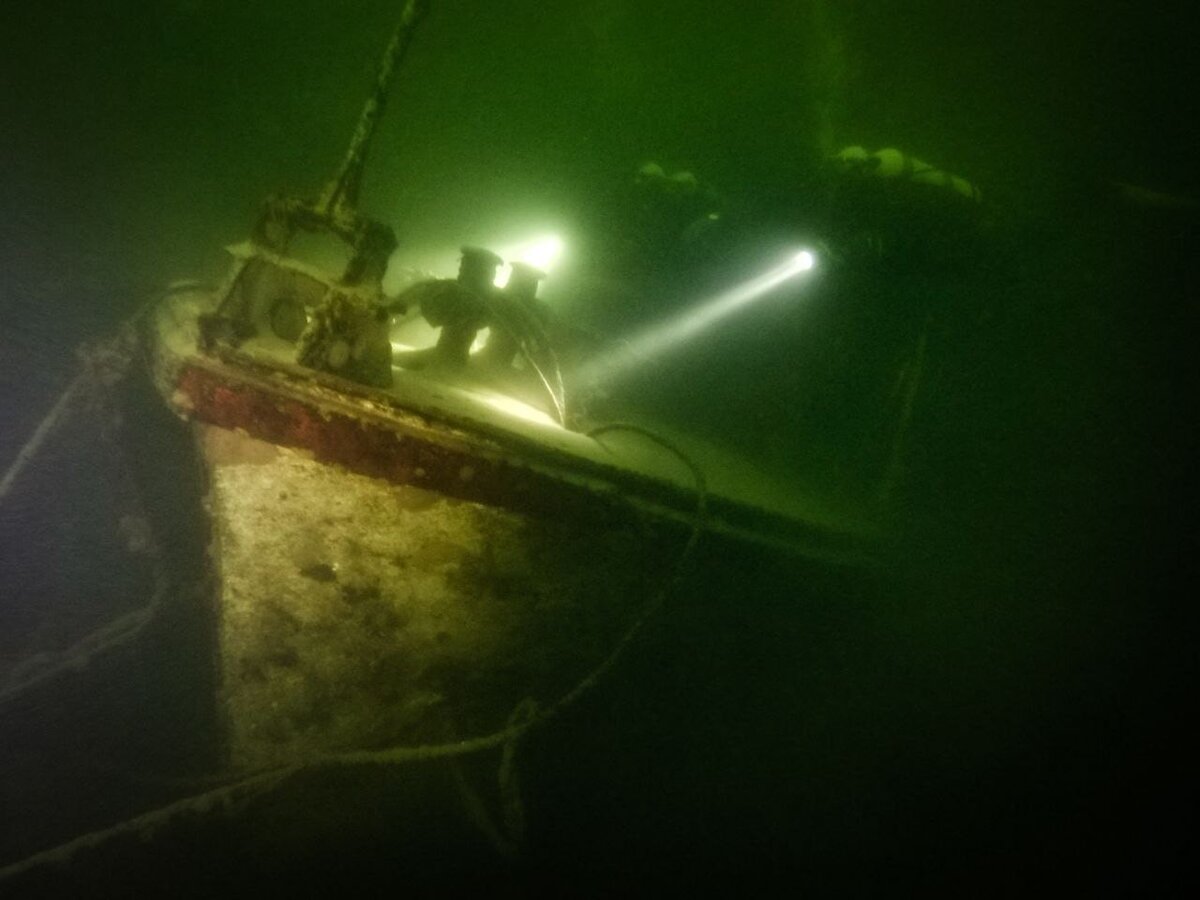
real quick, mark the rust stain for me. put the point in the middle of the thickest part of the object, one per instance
(377, 450)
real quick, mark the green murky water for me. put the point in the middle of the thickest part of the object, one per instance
(1003, 384)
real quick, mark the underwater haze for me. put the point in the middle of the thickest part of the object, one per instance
(989, 370)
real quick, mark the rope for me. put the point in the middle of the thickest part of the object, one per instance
(509, 835)
(43, 430)
(524, 719)
(40, 668)
(110, 352)
(523, 326)
(104, 364)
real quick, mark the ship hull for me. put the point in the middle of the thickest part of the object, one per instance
(405, 566)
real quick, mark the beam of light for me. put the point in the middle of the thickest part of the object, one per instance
(658, 338)
(542, 253)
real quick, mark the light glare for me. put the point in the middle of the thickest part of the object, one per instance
(513, 407)
(541, 253)
(544, 253)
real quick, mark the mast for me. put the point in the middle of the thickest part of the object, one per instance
(336, 208)
(340, 195)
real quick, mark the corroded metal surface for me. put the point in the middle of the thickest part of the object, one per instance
(357, 613)
(430, 461)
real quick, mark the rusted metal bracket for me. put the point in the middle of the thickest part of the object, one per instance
(335, 210)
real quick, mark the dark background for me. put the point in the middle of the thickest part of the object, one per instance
(1005, 698)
